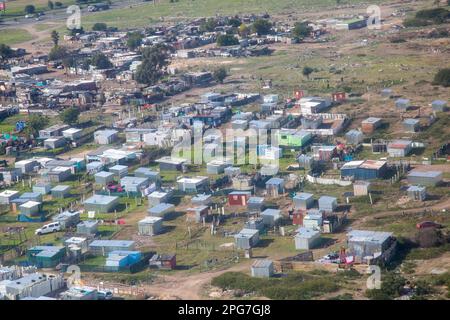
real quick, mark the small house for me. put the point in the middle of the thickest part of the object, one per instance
(87, 227)
(72, 134)
(425, 178)
(67, 219)
(8, 195)
(163, 261)
(402, 104)
(30, 208)
(262, 268)
(104, 247)
(354, 137)
(246, 238)
(60, 191)
(371, 124)
(367, 246)
(197, 214)
(361, 188)
(303, 201)
(104, 178)
(152, 176)
(171, 164)
(160, 210)
(217, 166)
(256, 223)
(158, 197)
(327, 203)
(193, 185)
(94, 167)
(26, 166)
(55, 143)
(42, 188)
(255, 204)
(439, 105)
(239, 198)
(313, 221)
(418, 193)
(271, 217)
(59, 174)
(399, 148)
(46, 256)
(119, 171)
(232, 171)
(202, 200)
(275, 186)
(134, 184)
(101, 203)
(306, 239)
(411, 125)
(105, 136)
(80, 293)
(118, 259)
(150, 226)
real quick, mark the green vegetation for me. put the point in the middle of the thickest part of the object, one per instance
(13, 36)
(101, 61)
(35, 123)
(155, 60)
(442, 78)
(428, 17)
(70, 115)
(227, 40)
(57, 53)
(134, 40)
(301, 30)
(261, 27)
(99, 26)
(296, 286)
(220, 75)
(391, 287)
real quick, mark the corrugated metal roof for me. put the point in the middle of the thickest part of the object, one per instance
(262, 263)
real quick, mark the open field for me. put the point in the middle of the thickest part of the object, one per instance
(16, 36)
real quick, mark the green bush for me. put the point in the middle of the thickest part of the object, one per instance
(442, 77)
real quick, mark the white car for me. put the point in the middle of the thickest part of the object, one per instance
(48, 228)
(104, 295)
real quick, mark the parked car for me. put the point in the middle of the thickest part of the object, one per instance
(48, 228)
(428, 224)
(104, 295)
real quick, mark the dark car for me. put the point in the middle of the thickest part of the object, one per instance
(428, 224)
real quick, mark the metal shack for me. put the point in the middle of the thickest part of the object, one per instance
(26, 166)
(60, 191)
(417, 193)
(367, 245)
(364, 170)
(59, 174)
(152, 176)
(425, 178)
(402, 104)
(119, 171)
(246, 238)
(104, 177)
(262, 268)
(371, 124)
(171, 164)
(42, 187)
(197, 213)
(306, 239)
(361, 188)
(256, 223)
(88, 227)
(8, 195)
(103, 247)
(327, 203)
(193, 185)
(105, 136)
(46, 256)
(439, 105)
(411, 125)
(271, 217)
(158, 197)
(399, 148)
(238, 198)
(313, 221)
(67, 219)
(161, 209)
(134, 184)
(54, 143)
(150, 226)
(354, 137)
(255, 204)
(275, 186)
(202, 200)
(30, 208)
(101, 203)
(303, 201)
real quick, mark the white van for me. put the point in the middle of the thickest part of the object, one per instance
(48, 228)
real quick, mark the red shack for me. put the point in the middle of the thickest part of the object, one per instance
(238, 198)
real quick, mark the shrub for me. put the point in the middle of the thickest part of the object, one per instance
(442, 78)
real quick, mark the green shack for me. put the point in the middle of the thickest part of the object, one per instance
(46, 256)
(293, 138)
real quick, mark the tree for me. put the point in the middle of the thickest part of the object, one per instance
(220, 74)
(134, 40)
(227, 40)
(307, 71)
(35, 123)
(58, 4)
(429, 237)
(209, 25)
(391, 287)
(70, 115)
(442, 77)
(243, 30)
(154, 62)
(50, 5)
(234, 22)
(100, 61)
(6, 52)
(57, 53)
(30, 9)
(55, 37)
(99, 26)
(261, 27)
(75, 31)
(301, 30)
